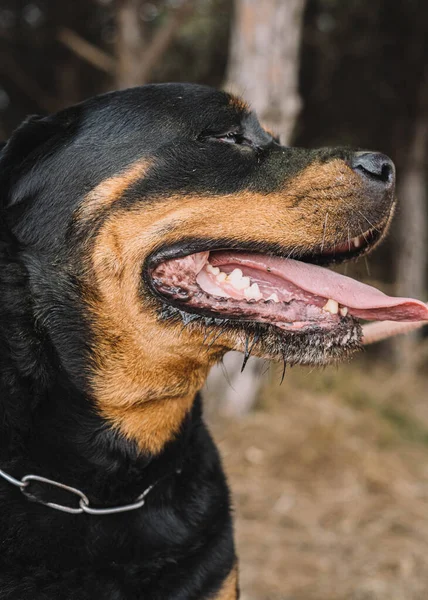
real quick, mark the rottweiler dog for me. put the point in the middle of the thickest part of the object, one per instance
(144, 233)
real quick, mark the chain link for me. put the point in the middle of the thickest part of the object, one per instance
(84, 504)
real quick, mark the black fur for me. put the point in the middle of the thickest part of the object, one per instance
(179, 546)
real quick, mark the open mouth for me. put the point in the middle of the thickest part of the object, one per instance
(294, 296)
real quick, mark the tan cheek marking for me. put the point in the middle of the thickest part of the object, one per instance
(141, 385)
(292, 216)
(230, 590)
(146, 373)
(111, 189)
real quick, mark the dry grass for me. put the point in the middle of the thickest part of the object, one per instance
(330, 484)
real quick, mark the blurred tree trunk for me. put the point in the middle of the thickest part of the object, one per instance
(264, 60)
(130, 43)
(413, 219)
(137, 52)
(264, 69)
(68, 82)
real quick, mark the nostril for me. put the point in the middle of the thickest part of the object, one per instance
(374, 165)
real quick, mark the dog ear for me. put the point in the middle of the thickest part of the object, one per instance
(14, 154)
(17, 153)
(18, 158)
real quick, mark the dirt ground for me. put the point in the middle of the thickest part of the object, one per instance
(330, 485)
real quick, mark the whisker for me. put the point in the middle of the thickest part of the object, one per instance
(325, 231)
(283, 372)
(364, 236)
(226, 375)
(246, 353)
(214, 341)
(367, 266)
(255, 340)
(293, 252)
(369, 222)
(266, 367)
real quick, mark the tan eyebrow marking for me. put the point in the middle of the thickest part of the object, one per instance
(110, 190)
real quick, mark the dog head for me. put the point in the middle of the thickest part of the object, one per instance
(159, 227)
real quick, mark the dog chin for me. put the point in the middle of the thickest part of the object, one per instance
(314, 347)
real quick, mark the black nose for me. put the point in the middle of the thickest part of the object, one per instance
(374, 166)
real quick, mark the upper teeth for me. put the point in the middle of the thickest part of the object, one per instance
(357, 241)
(273, 297)
(213, 270)
(253, 292)
(238, 281)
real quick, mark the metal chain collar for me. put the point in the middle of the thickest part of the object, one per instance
(84, 504)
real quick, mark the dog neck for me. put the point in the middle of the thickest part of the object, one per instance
(147, 393)
(54, 417)
(49, 427)
(63, 438)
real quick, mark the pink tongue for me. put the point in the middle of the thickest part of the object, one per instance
(362, 300)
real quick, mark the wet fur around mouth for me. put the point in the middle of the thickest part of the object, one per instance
(314, 348)
(100, 371)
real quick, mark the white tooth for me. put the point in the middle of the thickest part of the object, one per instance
(242, 283)
(257, 291)
(344, 311)
(221, 277)
(331, 306)
(357, 242)
(273, 297)
(234, 276)
(253, 292)
(213, 270)
(237, 280)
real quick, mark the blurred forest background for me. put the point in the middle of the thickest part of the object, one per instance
(330, 470)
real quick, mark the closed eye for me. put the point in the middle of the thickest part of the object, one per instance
(230, 137)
